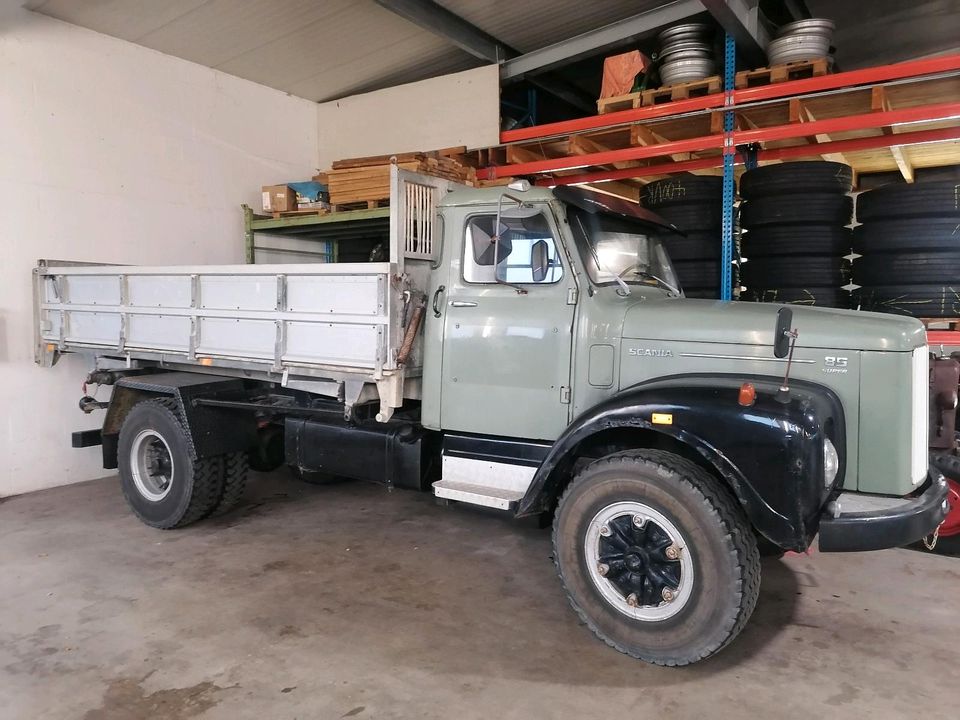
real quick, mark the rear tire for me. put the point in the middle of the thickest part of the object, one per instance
(164, 482)
(235, 469)
(643, 499)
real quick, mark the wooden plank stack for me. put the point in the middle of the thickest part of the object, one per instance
(367, 179)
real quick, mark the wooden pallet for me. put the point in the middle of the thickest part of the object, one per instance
(667, 93)
(781, 73)
(360, 205)
(293, 213)
(682, 91)
(618, 102)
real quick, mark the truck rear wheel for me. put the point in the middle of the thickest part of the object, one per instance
(163, 481)
(235, 469)
(656, 557)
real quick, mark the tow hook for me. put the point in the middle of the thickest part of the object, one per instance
(89, 404)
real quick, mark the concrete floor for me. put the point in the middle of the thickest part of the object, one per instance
(347, 601)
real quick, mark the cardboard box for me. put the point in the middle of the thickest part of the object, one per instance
(279, 198)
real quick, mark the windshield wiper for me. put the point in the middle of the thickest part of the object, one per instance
(660, 281)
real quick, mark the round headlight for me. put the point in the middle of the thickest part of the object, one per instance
(831, 462)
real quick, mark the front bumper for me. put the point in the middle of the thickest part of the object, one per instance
(875, 523)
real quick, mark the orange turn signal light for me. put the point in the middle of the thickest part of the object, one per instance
(748, 395)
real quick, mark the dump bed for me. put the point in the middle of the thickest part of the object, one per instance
(331, 328)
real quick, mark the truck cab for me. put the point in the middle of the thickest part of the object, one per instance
(528, 350)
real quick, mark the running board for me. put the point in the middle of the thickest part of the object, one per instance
(481, 480)
(477, 494)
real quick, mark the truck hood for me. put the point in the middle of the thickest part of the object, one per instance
(746, 323)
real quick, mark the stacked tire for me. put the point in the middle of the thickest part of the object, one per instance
(794, 239)
(694, 205)
(910, 247)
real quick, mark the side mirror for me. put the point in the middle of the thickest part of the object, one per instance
(781, 340)
(539, 260)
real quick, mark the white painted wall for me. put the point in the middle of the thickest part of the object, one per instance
(112, 152)
(458, 109)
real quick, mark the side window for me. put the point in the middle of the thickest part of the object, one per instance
(525, 254)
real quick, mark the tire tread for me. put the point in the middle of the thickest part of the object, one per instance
(236, 465)
(728, 514)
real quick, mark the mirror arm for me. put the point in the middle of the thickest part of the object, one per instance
(496, 242)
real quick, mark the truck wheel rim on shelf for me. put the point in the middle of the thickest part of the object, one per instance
(686, 31)
(810, 26)
(638, 560)
(686, 71)
(686, 45)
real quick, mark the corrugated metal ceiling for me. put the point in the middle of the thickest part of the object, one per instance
(329, 48)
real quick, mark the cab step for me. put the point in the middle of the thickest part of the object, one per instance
(499, 498)
(492, 472)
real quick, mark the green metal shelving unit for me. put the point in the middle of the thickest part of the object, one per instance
(327, 230)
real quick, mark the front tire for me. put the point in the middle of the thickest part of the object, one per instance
(656, 557)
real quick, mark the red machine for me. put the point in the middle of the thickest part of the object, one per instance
(944, 441)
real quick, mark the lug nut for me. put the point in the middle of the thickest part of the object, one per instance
(639, 520)
(668, 594)
(603, 569)
(605, 530)
(672, 553)
(632, 600)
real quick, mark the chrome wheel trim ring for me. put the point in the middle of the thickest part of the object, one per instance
(151, 486)
(607, 589)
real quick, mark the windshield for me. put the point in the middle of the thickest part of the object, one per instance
(617, 250)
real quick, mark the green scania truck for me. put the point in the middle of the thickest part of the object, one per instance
(527, 350)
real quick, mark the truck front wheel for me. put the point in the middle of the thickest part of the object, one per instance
(656, 557)
(163, 481)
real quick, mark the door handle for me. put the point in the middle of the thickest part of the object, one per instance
(436, 298)
(462, 303)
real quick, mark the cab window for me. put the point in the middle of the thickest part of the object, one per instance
(525, 254)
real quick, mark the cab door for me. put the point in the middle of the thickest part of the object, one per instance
(508, 320)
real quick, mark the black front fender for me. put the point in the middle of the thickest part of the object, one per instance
(770, 453)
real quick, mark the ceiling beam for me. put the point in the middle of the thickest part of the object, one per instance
(593, 41)
(440, 21)
(741, 19)
(454, 29)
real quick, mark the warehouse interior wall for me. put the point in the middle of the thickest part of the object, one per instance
(447, 111)
(114, 153)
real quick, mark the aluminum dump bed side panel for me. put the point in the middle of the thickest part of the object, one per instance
(334, 315)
